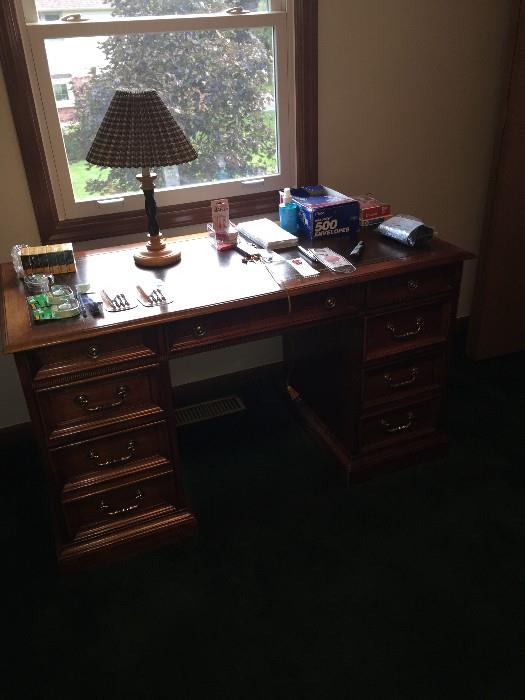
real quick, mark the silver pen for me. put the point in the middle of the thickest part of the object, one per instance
(356, 252)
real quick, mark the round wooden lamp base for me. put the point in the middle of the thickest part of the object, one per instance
(157, 254)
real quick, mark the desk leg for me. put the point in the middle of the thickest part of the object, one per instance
(320, 430)
(323, 378)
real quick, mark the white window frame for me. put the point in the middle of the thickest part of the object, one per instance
(34, 34)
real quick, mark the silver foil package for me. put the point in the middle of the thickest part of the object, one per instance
(406, 229)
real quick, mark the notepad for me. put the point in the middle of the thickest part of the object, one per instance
(266, 234)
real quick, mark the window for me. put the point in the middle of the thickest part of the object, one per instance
(228, 79)
(60, 91)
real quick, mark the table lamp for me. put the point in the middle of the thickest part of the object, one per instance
(138, 131)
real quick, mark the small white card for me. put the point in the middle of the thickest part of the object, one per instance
(302, 267)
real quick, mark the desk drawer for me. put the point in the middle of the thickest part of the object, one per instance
(93, 353)
(235, 323)
(102, 402)
(413, 286)
(398, 331)
(397, 380)
(113, 506)
(394, 425)
(91, 459)
(332, 302)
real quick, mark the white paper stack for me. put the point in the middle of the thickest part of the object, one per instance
(266, 234)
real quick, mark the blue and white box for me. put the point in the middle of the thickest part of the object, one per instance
(323, 212)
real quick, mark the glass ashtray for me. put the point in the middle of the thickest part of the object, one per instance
(223, 240)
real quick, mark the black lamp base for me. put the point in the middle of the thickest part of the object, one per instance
(157, 253)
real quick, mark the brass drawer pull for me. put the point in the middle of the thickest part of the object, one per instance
(420, 323)
(412, 284)
(104, 508)
(93, 351)
(199, 331)
(398, 428)
(83, 401)
(404, 382)
(330, 302)
(116, 460)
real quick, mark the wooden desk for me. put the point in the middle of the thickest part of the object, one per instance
(368, 352)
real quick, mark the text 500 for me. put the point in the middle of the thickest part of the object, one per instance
(324, 227)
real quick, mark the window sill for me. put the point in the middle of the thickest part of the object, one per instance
(124, 223)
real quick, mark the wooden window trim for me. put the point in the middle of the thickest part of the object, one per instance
(51, 229)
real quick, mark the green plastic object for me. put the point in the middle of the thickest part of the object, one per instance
(41, 310)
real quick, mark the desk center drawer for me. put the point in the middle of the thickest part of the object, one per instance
(326, 303)
(224, 325)
(102, 402)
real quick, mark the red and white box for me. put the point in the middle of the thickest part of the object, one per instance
(371, 210)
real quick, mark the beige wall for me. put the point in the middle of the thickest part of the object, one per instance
(408, 101)
(409, 93)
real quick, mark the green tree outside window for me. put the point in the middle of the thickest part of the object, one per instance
(219, 85)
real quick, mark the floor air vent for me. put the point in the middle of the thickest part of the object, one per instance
(208, 409)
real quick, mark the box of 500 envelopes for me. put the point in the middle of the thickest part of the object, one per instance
(324, 212)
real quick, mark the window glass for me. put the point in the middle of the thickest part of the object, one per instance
(219, 85)
(136, 8)
(60, 90)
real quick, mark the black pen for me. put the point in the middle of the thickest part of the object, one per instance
(308, 254)
(80, 301)
(242, 251)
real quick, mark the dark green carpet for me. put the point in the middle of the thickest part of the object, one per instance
(407, 586)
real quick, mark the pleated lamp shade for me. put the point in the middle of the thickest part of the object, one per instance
(138, 131)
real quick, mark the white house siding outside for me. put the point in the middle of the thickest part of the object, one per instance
(72, 61)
